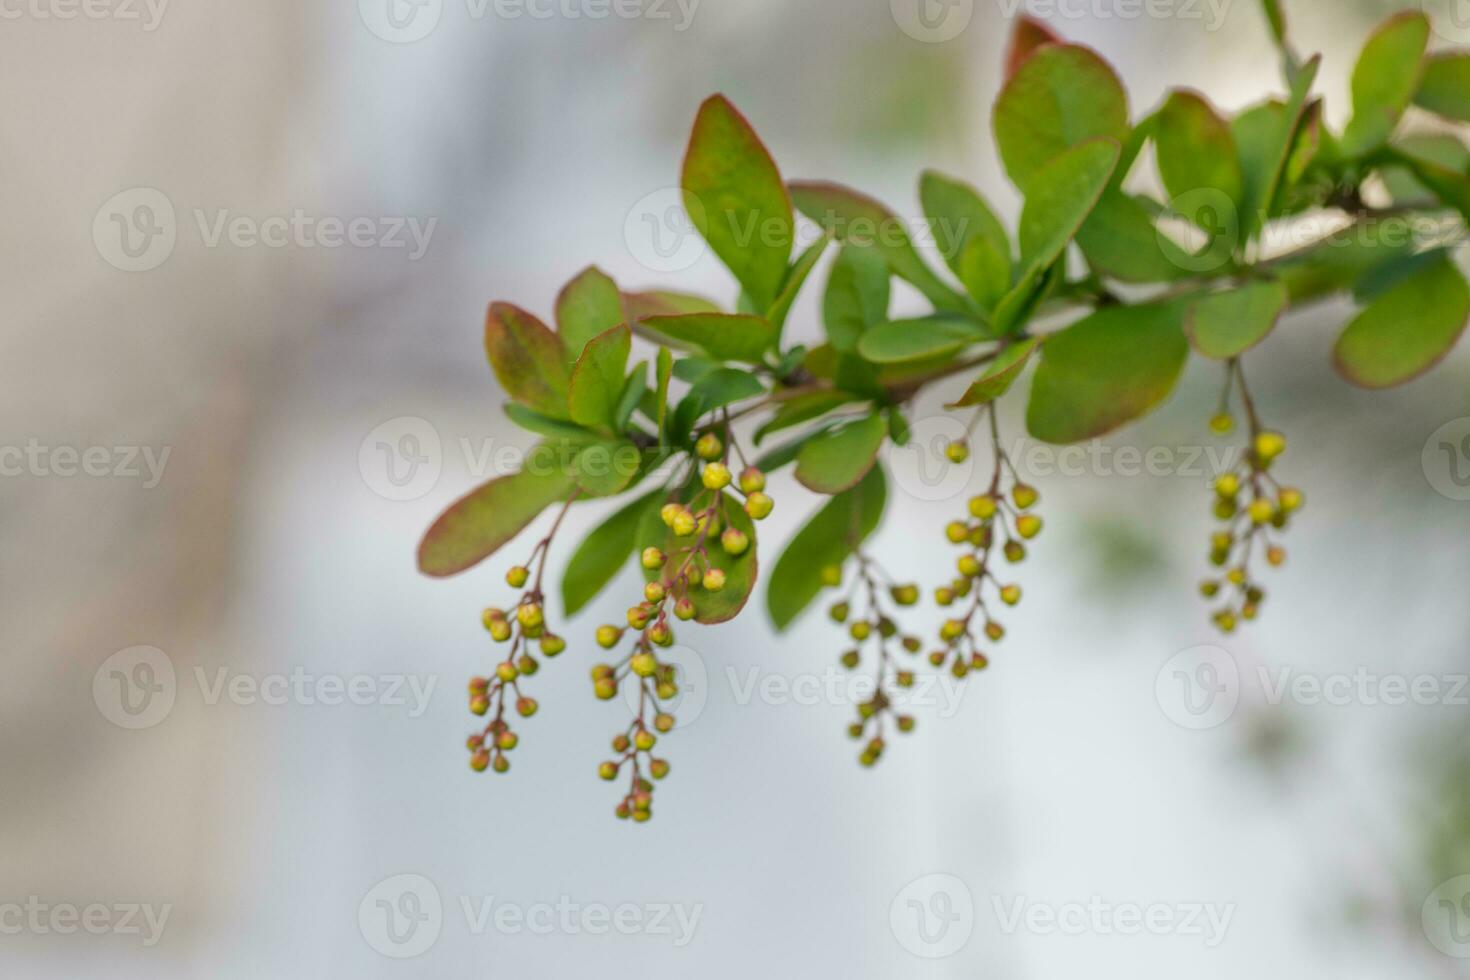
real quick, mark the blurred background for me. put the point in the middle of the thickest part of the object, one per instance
(234, 527)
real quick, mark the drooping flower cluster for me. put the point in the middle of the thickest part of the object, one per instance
(1252, 508)
(874, 628)
(491, 696)
(998, 523)
(678, 578)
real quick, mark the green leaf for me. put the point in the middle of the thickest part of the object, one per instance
(1196, 149)
(856, 219)
(1447, 184)
(722, 387)
(786, 453)
(663, 368)
(691, 370)
(840, 457)
(802, 408)
(1438, 148)
(633, 391)
(844, 522)
(740, 571)
(607, 466)
(916, 339)
(663, 302)
(1226, 324)
(1059, 199)
(597, 380)
(479, 523)
(1446, 86)
(796, 277)
(735, 198)
(856, 297)
(1340, 263)
(1061, 96)
(1276, 20)
(1029, 34)
(723, 336)
(587, 306)
(998, 376)
(528, 359)
(1406, 330)
(1384, 81)
(985, 271)
(1264, 137)
(604, 552)
(959, 217)
(1106, 370)
(1121, 240)
(899, 431)
(545, 425)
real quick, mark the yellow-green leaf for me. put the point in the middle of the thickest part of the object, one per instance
(958, 216)
(1264, 137)
(604, 552)
(918, 339)
(857, 219)
(735, 198)
(1106, 370)
(588, 305)
(1226, 324)
(841, 525)
(723, 336)
(528, 359)
(856, 297)
(998, 376)
(841, 456)
(1196, 149)
(597, 380)
(1446, 86)
(740, 570)
(1405, 331)
(1028, 35)
(1385, 79)
(1062, 95)
(479, 523)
